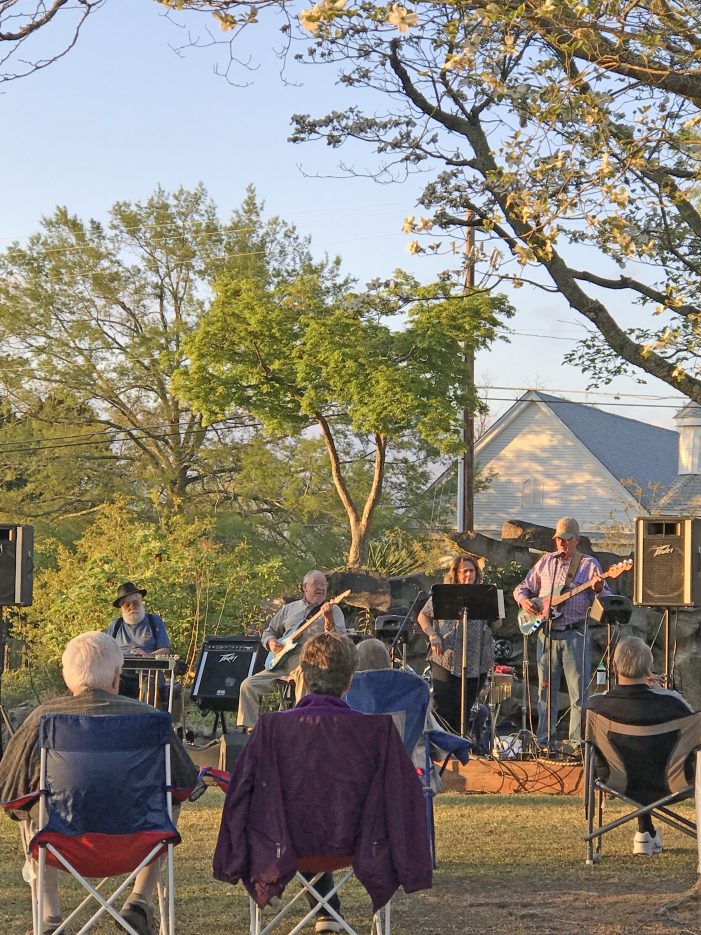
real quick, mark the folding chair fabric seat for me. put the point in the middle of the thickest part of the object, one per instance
(106, 802)
(406, 697)
(649, 767)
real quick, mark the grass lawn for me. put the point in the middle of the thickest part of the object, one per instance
(507, 864)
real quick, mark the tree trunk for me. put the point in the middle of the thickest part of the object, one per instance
(358, 550)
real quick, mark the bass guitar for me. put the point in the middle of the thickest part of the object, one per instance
(531, 623)
(289, 640)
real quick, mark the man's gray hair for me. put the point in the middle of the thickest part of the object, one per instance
(91, 660)
(373, 654)
(633, 658)
(311, 573)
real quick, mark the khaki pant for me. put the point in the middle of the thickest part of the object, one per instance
(255, 686)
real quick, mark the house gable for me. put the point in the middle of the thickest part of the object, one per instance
(544, 471)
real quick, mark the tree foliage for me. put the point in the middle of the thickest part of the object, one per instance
(565, 131)
(306, 352)
(55, 464)
(101, 313)
(199, 582)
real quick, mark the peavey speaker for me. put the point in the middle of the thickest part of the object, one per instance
(667, 561)
(223, 663)
(16, 565)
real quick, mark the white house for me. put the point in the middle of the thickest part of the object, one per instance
(550, 457)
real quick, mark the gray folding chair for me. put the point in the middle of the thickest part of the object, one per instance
(647, 767)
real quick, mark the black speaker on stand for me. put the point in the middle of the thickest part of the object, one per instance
(222, 664)
(667, 561)
(667, 571)
(16, 565)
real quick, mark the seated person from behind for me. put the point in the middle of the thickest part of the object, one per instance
(637, 699)
(314, 587)
(91, 667)
(340, 784)
(138, 633)
(372, 654)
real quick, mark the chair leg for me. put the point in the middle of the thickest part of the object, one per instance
(589, 808)
(171, 891)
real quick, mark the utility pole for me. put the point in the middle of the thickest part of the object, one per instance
(466, 465)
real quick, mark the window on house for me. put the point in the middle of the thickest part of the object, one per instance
(531, 493)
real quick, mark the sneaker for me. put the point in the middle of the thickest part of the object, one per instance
(646, 843)
(328, 924)
(140, 917)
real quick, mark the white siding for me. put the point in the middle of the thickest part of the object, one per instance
(536, 446)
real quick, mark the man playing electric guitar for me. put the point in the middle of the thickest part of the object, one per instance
(565, 568)
(286, 620)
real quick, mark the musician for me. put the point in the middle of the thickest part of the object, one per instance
(445, 641)
(138, 633)
(571, 653)
(287, 618)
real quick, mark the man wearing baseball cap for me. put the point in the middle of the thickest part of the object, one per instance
(562, 570)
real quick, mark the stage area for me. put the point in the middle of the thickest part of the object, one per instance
(542, 776)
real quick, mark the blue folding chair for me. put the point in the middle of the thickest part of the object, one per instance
(106, 807)
(407, 697)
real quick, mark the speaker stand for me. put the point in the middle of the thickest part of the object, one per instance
(670, 651)
(218, 719)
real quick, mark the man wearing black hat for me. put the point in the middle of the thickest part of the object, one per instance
(137, 632)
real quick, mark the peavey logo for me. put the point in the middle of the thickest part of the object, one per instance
(230, 657)
(666, 549)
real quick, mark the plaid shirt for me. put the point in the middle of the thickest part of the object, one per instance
(19, 767)
(551, 569)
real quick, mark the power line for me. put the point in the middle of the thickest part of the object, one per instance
(614, 393)
(570, 402)
(89, 440)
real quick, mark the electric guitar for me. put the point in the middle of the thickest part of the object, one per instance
(531, 623)
(289, 640)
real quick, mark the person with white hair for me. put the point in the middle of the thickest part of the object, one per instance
(91, 666)
(637, 699)
(283, 623)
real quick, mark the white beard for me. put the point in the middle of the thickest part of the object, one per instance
(132, 617)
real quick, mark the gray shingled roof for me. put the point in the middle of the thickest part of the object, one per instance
(684, 496)
(626, 447)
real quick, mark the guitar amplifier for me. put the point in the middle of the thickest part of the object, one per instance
(222, 664)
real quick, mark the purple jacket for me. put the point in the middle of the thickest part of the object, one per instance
(323, 780)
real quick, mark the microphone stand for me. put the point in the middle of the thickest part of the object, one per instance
(420, 595)
(548, 639)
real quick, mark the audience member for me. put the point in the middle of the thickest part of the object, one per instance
(92, 664)
(637, 699)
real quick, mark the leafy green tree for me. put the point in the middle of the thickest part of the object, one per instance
(307, 352)
(55, 465)
(199, 582)
(100, 315)
(565, 131)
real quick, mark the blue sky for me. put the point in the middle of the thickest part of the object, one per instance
(122, 113)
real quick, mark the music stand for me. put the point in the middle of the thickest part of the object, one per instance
(462, 602)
